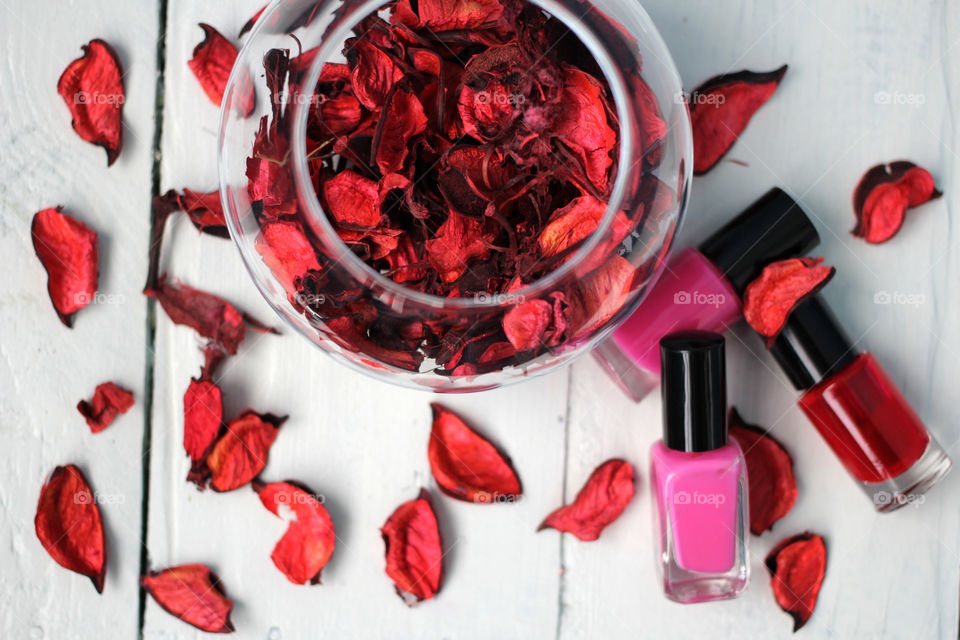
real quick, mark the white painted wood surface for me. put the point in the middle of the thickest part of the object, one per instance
(362, 444)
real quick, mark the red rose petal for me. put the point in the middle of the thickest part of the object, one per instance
(92, 87)
(465, 465)
(251, 22)
(192, 593)
(413, 550)
(68, 524)
(68, 250)
(458, 240)
(109, 401)
(205, 210)
(884, 194)
(373, 74)
(526, 324)
(446, 15)
(287, 252)
(308, 543)
(797, 567)
(401, 120)
(575, 222)
(202, 422)
(781, 286)
(241, 452)
(212, 62)
(353, 200)
(210, 316)
(596, 298)
(601, 501)
(722, 107)
(773, 488)
(583, 125)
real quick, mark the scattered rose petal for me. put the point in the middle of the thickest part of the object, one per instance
(465, 465)
(884, 194)
(413, 550)
(68, 524)
(212, 62)
(204, 210)
(68, 250)
(109, 401)
(601, 501)
(202, 422)
(722, 107)
(92, 87)
(772, 487)
(192, 593)
(780, 288)
(797, 567)
(241, 452)
(306, 547)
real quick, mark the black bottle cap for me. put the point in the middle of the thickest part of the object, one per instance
(812, 345)
(773, 228)
(694, 389)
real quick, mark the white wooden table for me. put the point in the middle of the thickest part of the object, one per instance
(362, 444)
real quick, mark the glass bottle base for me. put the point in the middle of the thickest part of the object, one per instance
(634, 380)
(700, 589)
(909, 486)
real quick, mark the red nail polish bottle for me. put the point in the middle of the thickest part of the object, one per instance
(857, 409)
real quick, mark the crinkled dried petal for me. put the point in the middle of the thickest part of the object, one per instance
(884, 194)
(352, 200)
(601, 501)
(526, 324)
(109, 401)
(458, 240)
(373, 74)
(414, 551)
(192, 593)
(68, 250)
(241, 452)
(213, 60)
(797, 567)
(202, 421)
(308, 543)
(780, 288)
(583, 125)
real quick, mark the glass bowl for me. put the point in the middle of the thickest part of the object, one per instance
(359, 314)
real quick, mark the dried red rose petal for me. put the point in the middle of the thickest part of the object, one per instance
(287, 251)
(68, 524)
(576, 222)
(373, 74)
(797, 567)
(212, 62)
(109, 401)
(353, 200)
(202, 421)
(583, 125)
(205, 210)
(241, 452)
(68, 250)
(210, 316)
(401, 120)
(465, 465)
(601, 501)
(596, 298)
(414, 551)
(251, 22)
(440, 15)
(772, 486)
(526, 324)
(308, 543)
(458, 241)
(92, 87)
(722, 107)
(884, 194)
(192, 593)
(781, 286)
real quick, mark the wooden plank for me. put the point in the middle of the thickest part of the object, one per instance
(358, 442)
(888, 575)
(45, 368)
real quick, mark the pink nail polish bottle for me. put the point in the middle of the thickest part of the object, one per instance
(700, 288)
(698, 477)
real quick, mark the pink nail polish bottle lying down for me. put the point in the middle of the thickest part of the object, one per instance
(698, 477)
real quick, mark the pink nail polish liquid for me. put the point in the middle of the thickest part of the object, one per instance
(698, 477)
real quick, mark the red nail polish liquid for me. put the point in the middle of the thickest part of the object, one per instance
(858, 410)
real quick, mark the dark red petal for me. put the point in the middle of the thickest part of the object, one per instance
(797, 567)
(596, 298)
(413, 550)
(373, 74)
(92, 87)
(306, 547)
(204, 210)
(781, 286)
(212, 62)
(192, 593)
(722, 107)
(210, 316)
(884, 194)
(583, 125)
(441, 15)
(287, 251)
(251, 22)
(401, 120)
(109, 401)
(202, 421)
(575, 222)
(526, 324)
(600, 502)
(68, 250)
(68, 524)
(241, 452)
(458, 240)
(773, 488)
(352, 200)
(465, 465)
